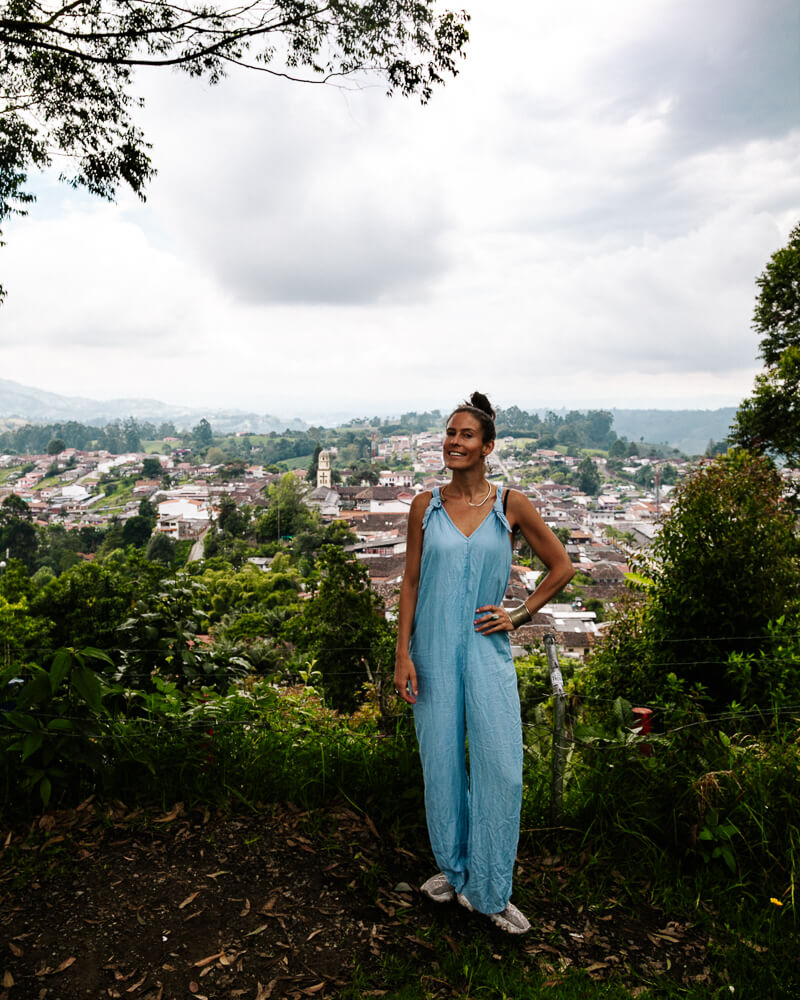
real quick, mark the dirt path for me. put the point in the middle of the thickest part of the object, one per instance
(117, 904)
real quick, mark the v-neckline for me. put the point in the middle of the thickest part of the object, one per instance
(477, 527)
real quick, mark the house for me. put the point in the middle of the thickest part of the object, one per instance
(385, 499)
(182, 517)
(378, 545)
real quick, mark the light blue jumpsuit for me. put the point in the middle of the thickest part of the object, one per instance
(468, 687)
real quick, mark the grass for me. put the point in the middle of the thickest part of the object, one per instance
(9, 471)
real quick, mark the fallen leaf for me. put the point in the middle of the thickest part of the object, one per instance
(416, 940)
(15, 949)
(132, 989)
(373, 829)
(208, 960)
(189, 899)
(7, 841)
(313, 934)
(8, 980)
(452, 943)
(258, 930)
(595, 966)
(222, 871)
(176, 810)
(265, 992)
(245, 908)
(65, 964)
(311, 990)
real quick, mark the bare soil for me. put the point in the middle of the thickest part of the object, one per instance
(111, 903)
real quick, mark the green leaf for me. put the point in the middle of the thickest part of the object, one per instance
(36, 690)
(60, 725)
(45, 788)
(87, 684)
(31, 744)
(59, 668)
(96, 654)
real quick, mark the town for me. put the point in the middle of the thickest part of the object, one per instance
(172, 493)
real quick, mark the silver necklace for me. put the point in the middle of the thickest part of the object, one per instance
(475, 504)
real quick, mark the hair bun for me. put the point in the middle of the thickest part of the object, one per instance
(480, 402)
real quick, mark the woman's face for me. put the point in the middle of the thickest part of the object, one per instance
(464, 446)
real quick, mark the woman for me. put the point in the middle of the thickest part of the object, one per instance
(454, 665)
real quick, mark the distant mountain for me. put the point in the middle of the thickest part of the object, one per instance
(22, 402)
(688, 430)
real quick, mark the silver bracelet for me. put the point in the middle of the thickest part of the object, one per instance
(519, 616)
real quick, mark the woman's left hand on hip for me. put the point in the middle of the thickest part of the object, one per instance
(492, 618)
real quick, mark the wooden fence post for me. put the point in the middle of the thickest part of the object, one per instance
(559, 742)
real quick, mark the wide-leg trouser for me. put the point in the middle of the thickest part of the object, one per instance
(473, 815)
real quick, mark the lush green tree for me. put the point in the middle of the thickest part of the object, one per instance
(202, 434)
(67, 71)
(159, 638)
(363, 472)
(131, 435)
(343, 628)
(137, 530)
(287, 513)
(769, 420)
(22, 636)
(17, 532)
(232, 519)
(724, 565)
(55, 446)
(311, 475)
(588, 477)
(147, 509)
(86, 604)
(160, 548)
(669, 474)
(151, 468)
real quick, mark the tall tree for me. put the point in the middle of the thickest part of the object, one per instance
(17, 532)
(769, 420)
(588, 477)
(67, 69)
(343, 627)
(725, 564)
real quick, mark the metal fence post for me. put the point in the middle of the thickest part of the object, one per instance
(559, 743)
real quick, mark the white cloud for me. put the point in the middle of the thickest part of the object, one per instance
(577, 219)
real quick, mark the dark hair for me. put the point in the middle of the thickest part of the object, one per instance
(480, 407)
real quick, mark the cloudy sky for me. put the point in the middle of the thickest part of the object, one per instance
(576, 220)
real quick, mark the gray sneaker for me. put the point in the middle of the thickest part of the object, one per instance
(465, 902)
(438, 889)
(511, 920)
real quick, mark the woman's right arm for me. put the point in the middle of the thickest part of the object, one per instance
(405, 674)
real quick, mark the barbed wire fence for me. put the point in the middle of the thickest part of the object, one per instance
(203, 719)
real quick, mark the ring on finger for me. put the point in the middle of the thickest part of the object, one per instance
(494, 617)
